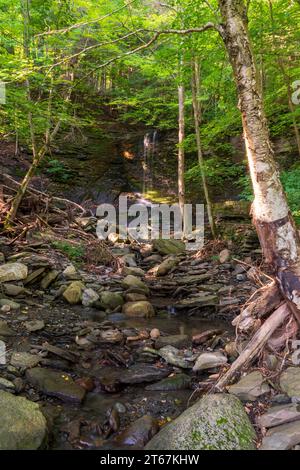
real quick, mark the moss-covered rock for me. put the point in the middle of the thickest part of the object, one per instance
(23, 426)
(216, 422)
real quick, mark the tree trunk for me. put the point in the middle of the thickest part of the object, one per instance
(181, 185)
(197, 120)
(274, 223)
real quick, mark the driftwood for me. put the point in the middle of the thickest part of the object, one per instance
(256, 344)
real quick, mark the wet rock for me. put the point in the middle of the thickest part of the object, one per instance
(140, 373)
(49, 278)
(174, 357)
(23, 426)
(250, 387)
(139, 432)
(56, 384)
(34, 325)
(216, 422)
(6, 384)
(73, 292)
(141, 309)
(209, 360)
(10, 303)
(134, 297)
(166, 266)
(198, 300)
(176, 382)
(290, 381)
(13, 272)
(280, 414)
(133, 271)
(282, 437)
(224, 256)
(13, 290)
(178, 341)
(169, 247)
(70, 273)
(130, 282)
(89, 297)
(24, 360)
(111, 300)
(5, 330)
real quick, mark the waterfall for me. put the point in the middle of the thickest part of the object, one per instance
(149, 151)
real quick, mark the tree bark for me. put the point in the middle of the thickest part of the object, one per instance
(197, 120)
(181, 124)
(271, 216)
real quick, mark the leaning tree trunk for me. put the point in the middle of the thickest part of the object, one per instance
(275, 226)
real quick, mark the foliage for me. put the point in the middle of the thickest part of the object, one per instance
(74, 252)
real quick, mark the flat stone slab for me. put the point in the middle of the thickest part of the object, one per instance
(56, 384)
(23, 426)
(290, 381)
(282, 437)
(250, 387)
(280, 414)
(140, 373)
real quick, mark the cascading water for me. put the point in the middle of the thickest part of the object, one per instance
(149, 152)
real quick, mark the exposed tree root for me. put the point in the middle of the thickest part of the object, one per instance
(256, 344)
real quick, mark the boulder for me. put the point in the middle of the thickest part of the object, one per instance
(209, 360)
(166, 266)
(23, 426)
(216, 422)
(89, 297)
(13, 272)
(111, 300)
(73, 292)
(133, 282)
(290, 381)
(250, 387)
(169, 247)
(141, 309)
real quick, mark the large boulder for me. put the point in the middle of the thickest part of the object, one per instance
(23, 426)
(13, 272)
(133, 282)
(141, 309)
(169, 247)
(216, 422)
(111, 300)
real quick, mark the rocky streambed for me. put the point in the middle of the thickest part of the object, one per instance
(98, 359)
